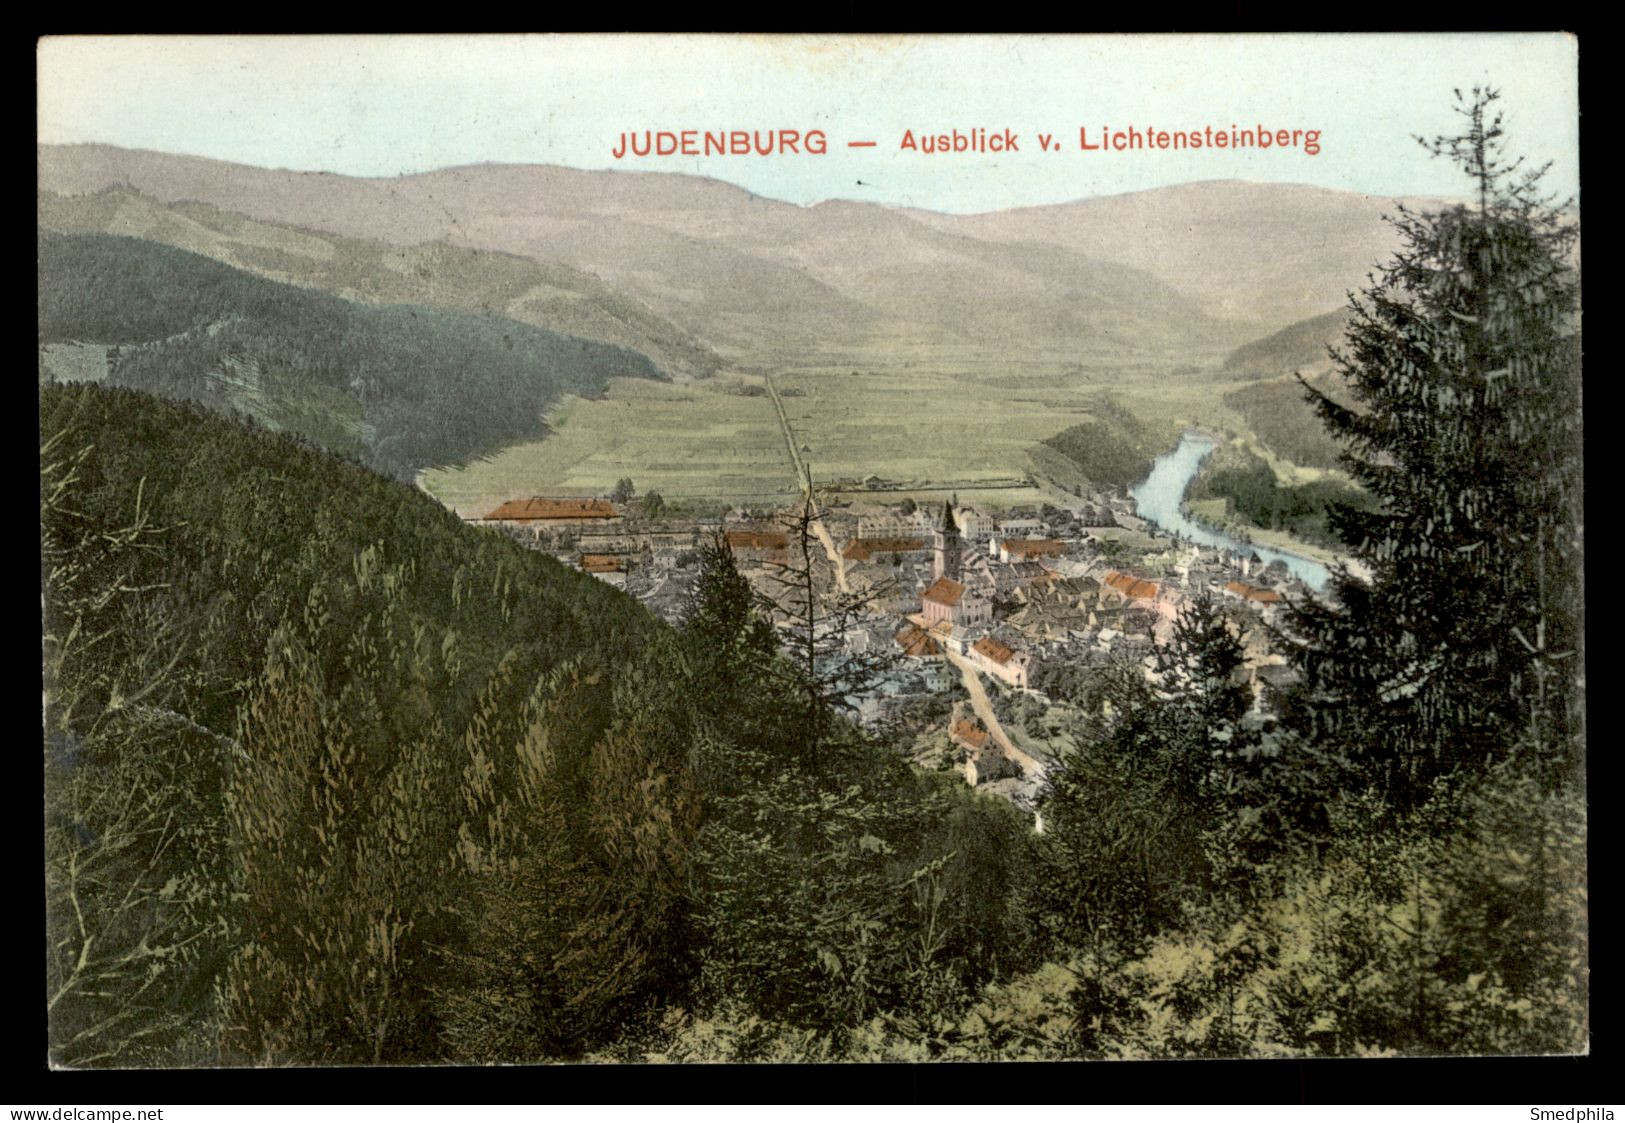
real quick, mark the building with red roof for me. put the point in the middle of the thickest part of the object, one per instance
(1000, 660)
(1129, 587)
(947, 601)
(554, 512)
(1253, 593)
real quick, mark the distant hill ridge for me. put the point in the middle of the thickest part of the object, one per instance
(1303, 344)
(400, 386)
(1191, 271)
(488, 282)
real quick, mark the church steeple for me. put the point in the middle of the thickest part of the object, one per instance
(946, 547)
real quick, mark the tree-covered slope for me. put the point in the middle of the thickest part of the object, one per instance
(300, 721)
(1280, 415)
(400, 386)
(1294, 347)
(333, 778)
(1112, 448)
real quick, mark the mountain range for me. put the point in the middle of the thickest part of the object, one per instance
(693, 271)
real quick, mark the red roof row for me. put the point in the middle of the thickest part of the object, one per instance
(756, 539)
(537, 508)
(1034, 547)
(1253, 593)
(1135, 588)
(916, 641)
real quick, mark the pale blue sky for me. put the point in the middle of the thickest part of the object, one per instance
(379, 106)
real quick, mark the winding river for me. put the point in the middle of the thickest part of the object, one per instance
(1158, 500)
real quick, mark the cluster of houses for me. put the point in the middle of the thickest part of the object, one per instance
(1001, 596)
(1008, 596)
(647, 558)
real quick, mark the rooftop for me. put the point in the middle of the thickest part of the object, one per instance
(862, 549)
(1034, 547)
(1253, 593)
(914, 641)
(994, 650)
(969, 733)
(534, 508)
(1135, 588)
(945, 590)
(756, 539)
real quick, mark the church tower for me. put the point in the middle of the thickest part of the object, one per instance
(946, 546)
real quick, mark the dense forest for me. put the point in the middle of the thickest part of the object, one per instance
(1285, 423)
(400, 386)
(333, 778)
(1294, 346)
(1251, 490)
(1114, 448)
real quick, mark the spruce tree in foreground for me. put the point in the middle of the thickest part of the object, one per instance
(1463, 359)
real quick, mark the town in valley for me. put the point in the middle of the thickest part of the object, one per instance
(976, 614)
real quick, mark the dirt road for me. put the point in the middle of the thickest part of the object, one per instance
(1031, 766)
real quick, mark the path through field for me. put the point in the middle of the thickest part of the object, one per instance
(806, 486)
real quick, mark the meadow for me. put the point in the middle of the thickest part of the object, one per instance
(909, 430)
(688, 441)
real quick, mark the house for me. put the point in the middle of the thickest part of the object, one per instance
(1026, 549)
(1057, 611)
(1127, 587)
(949, 602)
(973, 525)
(765, 546)
(1014, 528)
(632, 548)
(1001, 661)
(558, 512)
(1010, 580)
(1253, 593)
(882, 549)
(916, 642)
(895, 526)
(984, 761)
(610, 568)
(968, 733)
(536, 516)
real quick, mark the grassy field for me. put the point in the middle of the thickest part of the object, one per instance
(691, 441)
(973, 431)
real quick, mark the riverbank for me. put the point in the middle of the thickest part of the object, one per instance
(1160, 500)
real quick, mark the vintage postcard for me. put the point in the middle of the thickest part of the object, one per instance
(747, 548)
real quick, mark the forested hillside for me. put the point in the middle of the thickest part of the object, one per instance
(400, 386)
(1284, 421)
(1112, 448)
(1299, 345)
(1252, 493)
(332, 777)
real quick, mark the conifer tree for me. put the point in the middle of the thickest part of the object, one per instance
(1463, 646)
(822, 670)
